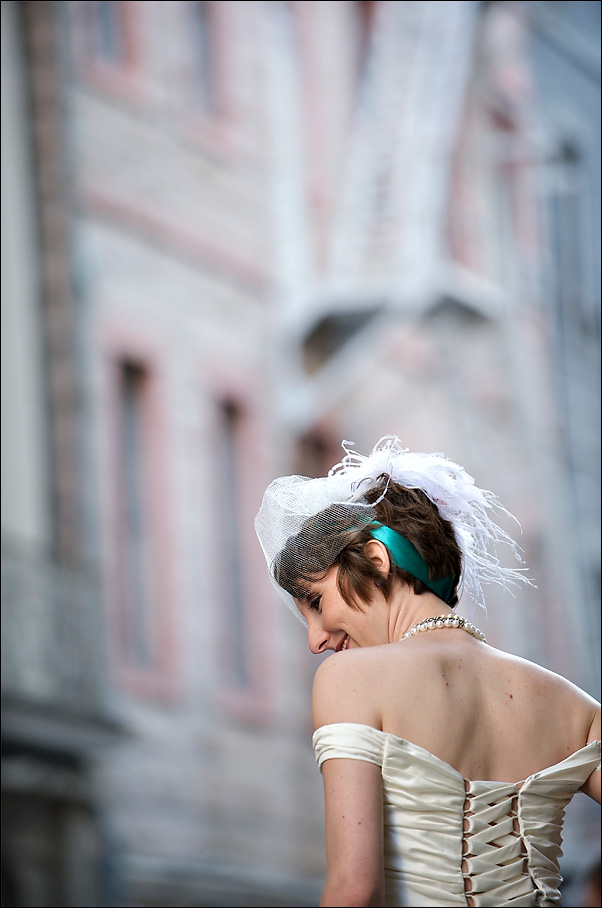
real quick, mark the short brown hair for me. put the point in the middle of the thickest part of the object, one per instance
(409, 512)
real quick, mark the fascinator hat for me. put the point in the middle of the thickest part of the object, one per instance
(310, 521)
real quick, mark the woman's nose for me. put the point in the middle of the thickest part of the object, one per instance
(318, 639)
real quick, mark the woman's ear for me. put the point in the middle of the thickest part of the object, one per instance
(378, 554)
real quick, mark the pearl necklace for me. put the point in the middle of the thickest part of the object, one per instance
(451, 620)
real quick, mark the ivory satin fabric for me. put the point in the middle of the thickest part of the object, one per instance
(425, 804)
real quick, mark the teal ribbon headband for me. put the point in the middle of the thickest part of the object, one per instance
(407, 557)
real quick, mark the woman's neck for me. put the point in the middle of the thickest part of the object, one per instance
(409, 608)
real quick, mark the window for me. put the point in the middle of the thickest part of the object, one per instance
(365, 11)
(138, 541)
(136, 583)
(204, 52)
(317, 452)
(109, 33)
(241, 592)
(237, 667)
(571, 219)
(205, 75)
(107, 37)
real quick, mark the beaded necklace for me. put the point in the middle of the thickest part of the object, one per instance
(451, 620)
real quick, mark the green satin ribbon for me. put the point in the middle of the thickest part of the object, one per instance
(406, 557)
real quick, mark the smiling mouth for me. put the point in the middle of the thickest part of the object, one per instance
(344, 644)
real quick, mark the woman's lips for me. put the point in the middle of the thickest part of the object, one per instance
(343, 644)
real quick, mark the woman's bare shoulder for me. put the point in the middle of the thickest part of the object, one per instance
(357, 685)
(344, 687)
(543, 679)
(549, 696)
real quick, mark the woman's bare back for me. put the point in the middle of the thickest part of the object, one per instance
(488, 714)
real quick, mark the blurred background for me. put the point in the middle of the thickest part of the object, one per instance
(233, 235)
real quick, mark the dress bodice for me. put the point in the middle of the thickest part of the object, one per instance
(508, 834)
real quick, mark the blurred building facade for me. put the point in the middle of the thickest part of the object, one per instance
(235, 233)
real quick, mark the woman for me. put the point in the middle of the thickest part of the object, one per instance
(446, 763)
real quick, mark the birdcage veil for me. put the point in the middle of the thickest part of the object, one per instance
(304, 523)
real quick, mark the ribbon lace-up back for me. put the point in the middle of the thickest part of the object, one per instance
(449, 841)
(494, 853)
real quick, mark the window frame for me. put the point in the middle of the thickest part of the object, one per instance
(250, 703)
(158, 679)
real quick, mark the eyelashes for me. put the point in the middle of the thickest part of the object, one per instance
(315, 603)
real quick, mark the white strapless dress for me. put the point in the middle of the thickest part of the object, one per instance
(427, 803)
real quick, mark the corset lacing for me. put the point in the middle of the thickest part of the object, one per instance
(493, 848)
